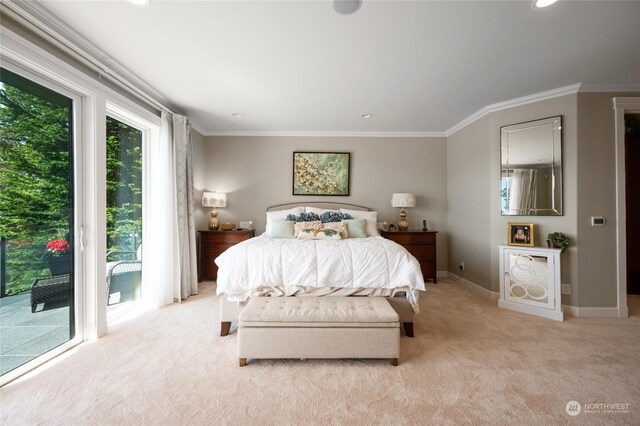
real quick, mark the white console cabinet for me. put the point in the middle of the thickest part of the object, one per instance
(530, 281)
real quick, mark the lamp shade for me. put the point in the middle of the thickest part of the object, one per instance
(214, 199)
(403, 199)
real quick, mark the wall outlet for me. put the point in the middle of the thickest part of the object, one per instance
(461, 266)
(566, 288)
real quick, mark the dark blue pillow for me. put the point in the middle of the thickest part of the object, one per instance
(303, 217)
(332, 216)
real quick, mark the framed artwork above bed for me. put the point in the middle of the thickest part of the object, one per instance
(321, 173)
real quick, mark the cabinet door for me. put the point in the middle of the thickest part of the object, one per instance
(529, 279)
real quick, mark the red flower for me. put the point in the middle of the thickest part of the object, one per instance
(58, 247)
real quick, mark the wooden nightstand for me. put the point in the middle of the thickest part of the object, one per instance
(422, 245)
(211, 244)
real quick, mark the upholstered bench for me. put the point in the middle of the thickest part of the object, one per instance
(318, 327)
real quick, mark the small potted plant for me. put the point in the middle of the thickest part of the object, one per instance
(58, 256)
(558, 240)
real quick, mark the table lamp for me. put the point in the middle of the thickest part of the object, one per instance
(403, 200)
(215, 200)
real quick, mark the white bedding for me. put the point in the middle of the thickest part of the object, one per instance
(287, 265)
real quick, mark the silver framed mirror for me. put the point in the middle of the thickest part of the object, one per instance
(531, 168)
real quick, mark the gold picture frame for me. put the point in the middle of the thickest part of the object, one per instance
(521, 234)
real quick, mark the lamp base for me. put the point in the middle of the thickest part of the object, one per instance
(214, 223)
(403, 224)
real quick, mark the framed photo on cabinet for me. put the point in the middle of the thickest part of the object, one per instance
(521, 234)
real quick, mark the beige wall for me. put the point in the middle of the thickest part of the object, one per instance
(256, 172)
(468, 206)
(597, 265)
(473, 172)
(475, 224)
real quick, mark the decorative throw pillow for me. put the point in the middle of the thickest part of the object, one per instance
(307, 234)
(303, 217)
(282, 229)
(371, 218)
(339, 227)
(328, 234)
(356, 228)
(300, 226)
(333, 216)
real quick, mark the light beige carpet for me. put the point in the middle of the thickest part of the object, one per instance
(470, 363)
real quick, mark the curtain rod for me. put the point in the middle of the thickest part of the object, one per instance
(32, 17)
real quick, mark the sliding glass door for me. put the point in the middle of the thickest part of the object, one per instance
(37, 210)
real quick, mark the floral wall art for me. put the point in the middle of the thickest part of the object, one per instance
(321, 173)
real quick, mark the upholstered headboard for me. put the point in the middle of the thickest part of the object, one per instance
(318, 204)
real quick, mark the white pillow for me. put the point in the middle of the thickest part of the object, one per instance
(372, 220)
(281, 215)
(317, 211)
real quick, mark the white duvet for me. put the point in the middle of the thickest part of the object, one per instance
(354, 263)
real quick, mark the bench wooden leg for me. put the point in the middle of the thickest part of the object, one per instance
(408, 328)
(225, 326)
(394, 362)
(243, 362)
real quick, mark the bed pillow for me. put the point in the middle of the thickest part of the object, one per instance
(317, 233)
(371, 218)
(307, 234)
(356, 228)
(281, 229)
(328, 234)
(339, 227)
(318, 211)
(303, 217)
(300, 226)
(332, 216)
(281, 215)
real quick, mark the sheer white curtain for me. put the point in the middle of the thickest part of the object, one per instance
(160, 255)
(184, 206)
(169, 255)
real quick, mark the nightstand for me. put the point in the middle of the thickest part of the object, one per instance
(422, 245)
(211, 244)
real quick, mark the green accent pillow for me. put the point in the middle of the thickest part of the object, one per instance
(356, 228)
(281, 229)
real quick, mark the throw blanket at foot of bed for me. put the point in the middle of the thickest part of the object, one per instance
(318, 327)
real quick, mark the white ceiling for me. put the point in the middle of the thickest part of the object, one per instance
(297, 66)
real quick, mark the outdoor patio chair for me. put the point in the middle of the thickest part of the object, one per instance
(124, 276)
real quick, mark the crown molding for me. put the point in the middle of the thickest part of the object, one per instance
(327, 134)
(43, 23)
(609, 88)
(524, 100)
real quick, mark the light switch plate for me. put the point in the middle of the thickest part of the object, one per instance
(566, 288)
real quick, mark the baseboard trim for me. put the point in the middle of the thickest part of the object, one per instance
(578, 312)
(488, 294)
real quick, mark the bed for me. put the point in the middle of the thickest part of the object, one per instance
(318, 262)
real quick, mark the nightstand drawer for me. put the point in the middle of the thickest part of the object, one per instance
(412, 238)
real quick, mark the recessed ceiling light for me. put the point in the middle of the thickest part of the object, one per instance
(237, 114)
(543, 3)
(366, 115)
(346, 7)
(140, 2)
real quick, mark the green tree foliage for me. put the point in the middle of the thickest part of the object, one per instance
(34, 181)
(124, 186)
(35, 193)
